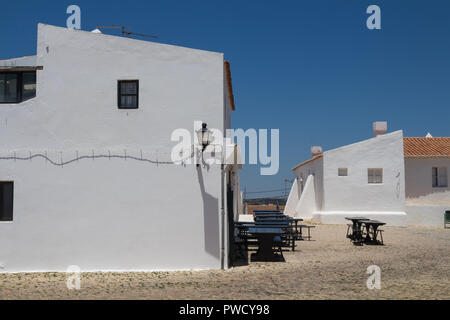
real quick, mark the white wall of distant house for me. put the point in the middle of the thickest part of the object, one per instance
(352, 195)
(419, 186)
(426, 204)
(426, 215)
(353, 192)
(111, 214)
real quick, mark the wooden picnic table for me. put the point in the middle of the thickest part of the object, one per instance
(270, 215)
(356, 234)
(266, 240)
(374, 225)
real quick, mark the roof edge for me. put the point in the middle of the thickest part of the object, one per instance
(227, 68)
(308, 161)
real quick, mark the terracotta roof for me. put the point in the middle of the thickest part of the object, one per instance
(227, 70)
(426, 147)
(308, 161)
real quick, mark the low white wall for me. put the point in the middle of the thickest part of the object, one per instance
(246, 218)
(427, 216)
(338, 217)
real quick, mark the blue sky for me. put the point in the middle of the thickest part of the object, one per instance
(310, 68)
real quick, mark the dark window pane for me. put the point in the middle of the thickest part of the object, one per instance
(128, 88)
(8, 87)
(2, 87)
(29, 85)
(6, 201)
(128, 93)
(128, 101)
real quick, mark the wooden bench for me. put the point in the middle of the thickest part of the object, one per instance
(309, 231)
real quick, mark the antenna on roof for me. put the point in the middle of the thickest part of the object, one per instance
(126, 31)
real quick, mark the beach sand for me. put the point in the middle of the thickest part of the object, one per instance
(414, 263)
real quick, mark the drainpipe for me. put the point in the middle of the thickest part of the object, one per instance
(222, 218)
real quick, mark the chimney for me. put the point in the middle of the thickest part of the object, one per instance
(316, 150)
(379, 128)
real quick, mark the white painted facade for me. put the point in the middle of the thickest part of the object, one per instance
(406, 195)
(337, 197)
(425, 204)
(114, 214)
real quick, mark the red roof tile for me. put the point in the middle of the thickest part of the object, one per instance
(426, 147)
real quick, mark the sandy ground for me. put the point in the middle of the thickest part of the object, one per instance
(415, 264)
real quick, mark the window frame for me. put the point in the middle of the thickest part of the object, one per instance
(19, 93)
(343, 175)
(436, 178)
(12, 202)
(120, 94)
(374, 181)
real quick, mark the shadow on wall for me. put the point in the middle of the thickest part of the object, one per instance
(210, 219)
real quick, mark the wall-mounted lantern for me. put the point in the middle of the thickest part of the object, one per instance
(204, 136)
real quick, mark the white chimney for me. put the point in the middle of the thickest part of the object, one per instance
(316, 150)
(379, 128)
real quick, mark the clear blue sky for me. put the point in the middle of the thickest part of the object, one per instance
(310, 68)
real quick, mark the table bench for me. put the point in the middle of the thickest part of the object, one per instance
(355, 231)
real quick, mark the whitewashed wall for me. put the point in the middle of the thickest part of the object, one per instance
(307, 205)
(314, 168)
(292, 200)
(111, 214)
(352, 194)
(419, 187)
(425, 205)
(426, 215)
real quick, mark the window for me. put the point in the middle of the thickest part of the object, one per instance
(28, 85)
(6, 201)
(439, 176)
(16, 87)
(342, 172)
(375, 175)
(128, 94)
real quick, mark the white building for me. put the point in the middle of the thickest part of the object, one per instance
(110, 104)
(402, 181)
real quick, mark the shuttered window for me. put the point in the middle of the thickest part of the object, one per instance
(439, 177)
(128, 94)
(375, 175)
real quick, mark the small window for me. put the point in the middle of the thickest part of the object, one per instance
(16, 87)
(375, 175)
(28, 85)
(128, 94)
(6, 200)
(9, 92)
(439, 176)
(342, 172)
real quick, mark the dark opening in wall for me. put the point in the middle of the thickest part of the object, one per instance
(6, 200)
